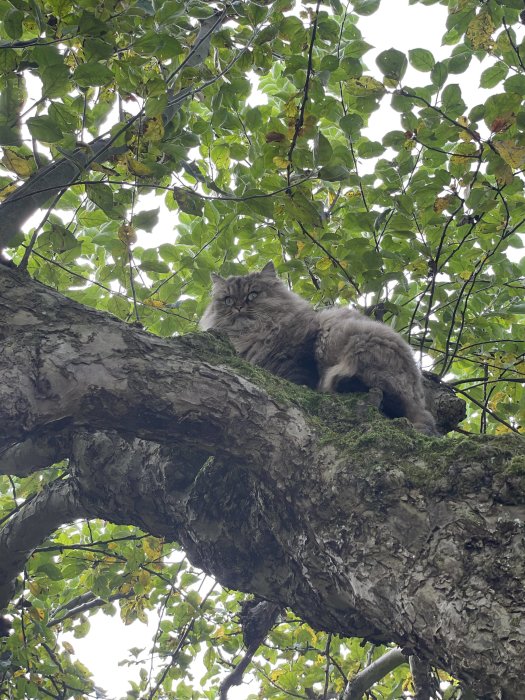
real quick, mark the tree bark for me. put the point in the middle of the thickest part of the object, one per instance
(358, 523)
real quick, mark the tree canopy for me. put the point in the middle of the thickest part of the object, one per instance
(249, 122)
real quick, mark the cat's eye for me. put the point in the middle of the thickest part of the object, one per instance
(251, 296)
(228, 301)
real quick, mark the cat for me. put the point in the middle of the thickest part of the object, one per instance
(333, 350)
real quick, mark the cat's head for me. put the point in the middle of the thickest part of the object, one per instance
(239, 301)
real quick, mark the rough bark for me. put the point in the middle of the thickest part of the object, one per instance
(360, 525)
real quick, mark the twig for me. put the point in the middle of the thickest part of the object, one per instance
(300, 119)
(366, 678)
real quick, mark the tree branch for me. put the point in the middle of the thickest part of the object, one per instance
(35, 452)
(366, 678)
(55, 505)
(62, 173)
(425, 684)
(359, 524)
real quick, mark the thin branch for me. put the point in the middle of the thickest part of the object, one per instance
(366, 678)
(309, 69)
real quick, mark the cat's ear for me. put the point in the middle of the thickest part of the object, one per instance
(216, 279)
(269, 270)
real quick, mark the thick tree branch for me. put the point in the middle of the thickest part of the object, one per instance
(36, 452)
(360, 525)
(38, 518)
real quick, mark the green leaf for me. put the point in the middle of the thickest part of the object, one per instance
(366, 7)
(13, 23)
(393, 64)
(92, 75)
(334, 173)
(493, 75)
(460, 61)
(44, 129)
(154, 266)
(55, 80)
(439, 74)
(370, 149)
(188, 202)
(101, 195)
(422, 59)
(322, 149)
(220, 154)
(452, 102)
(146, 220)
(97, 49)
(351, 124)
(63, 117)
(357, 48)
(304, 210)
(9, 137)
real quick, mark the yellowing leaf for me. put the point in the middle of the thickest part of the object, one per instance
(68, 647)
(323, 264)
(463, 134)
(37, 614)
(502, 123)
(503, 174)
(502, 429)
(187, 201)
(155, 303)
(153, 129)
(35, 588)
(364, 86)
(281, 162)
(137, 168)
(420, 267)
(339, 684)
(479, 31)
(290, 109)
(512, 153)
(441, 203)
(6, 191)
(408, 683)
(20, 672)
(99, 167)
(153, 546)
(22, 166)
(127, 235)
(144, 577)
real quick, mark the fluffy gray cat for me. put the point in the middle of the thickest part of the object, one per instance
(333, 350)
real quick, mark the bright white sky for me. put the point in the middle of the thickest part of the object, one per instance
(394, 25)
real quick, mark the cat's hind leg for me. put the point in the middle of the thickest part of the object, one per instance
(421, 418)
(404, 396)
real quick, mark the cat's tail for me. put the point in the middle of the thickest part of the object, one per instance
(331, 376)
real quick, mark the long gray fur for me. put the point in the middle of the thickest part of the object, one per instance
(331, 350)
